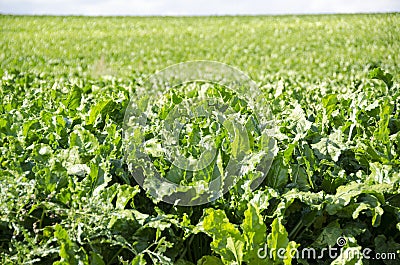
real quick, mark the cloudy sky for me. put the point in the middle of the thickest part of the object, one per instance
(196, 7)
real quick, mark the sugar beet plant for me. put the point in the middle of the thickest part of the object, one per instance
(68, 189)
(193, 130)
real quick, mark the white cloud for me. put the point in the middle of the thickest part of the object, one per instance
(199, 7)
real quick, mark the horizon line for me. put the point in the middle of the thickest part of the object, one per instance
(203, 15)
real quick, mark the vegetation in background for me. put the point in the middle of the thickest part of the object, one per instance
(67, 197)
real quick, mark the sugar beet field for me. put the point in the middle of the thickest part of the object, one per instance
(90, 172)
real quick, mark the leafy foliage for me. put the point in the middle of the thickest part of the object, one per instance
(66, 194)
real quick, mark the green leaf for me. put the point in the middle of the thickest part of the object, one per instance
(253, 226)
(327, 149)
(139, 260)
(254, 232)
(73, 100)
(354, 198)
(277, 176)
(299, 177)
(97, 110)
(209, 260)
(125, 193)
(287, 154)
(236, 247)
(378, 73)
(96, 259)
(227, 240)
(382, 134)
(329, 236)
(278, 239)
(290, 250)
(330, 104)
(69, 251)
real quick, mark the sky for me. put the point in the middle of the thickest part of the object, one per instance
(197, 7)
